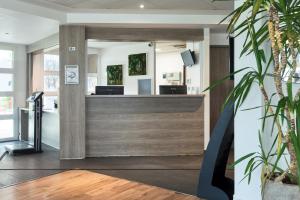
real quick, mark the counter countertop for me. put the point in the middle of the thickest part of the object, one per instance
(55, 111)
(145, 96)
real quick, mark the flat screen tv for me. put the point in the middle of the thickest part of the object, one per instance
(172, 89)
(188, 58)
(109, 90)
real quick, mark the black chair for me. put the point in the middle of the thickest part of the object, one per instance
(213, 185)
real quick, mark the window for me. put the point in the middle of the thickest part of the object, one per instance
(6, 105)
(50, 77)
(6, 82)
(6, 129)
(7, 110)
(6, 59)
(51, 62)
(46, 75)
(51, 83)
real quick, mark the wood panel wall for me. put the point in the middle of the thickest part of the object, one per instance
(144, 126)
(37, 72)
(219, 68)
(72, 97)
(143, 34)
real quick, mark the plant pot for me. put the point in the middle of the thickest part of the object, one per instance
(280, 191)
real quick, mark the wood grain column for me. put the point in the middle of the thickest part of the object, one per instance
(72, 97)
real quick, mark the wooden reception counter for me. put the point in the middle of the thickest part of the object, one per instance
(144, 125)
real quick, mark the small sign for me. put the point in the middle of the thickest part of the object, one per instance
(71, 74)
(72, 49)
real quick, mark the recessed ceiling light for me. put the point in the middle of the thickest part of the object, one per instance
(142, 6)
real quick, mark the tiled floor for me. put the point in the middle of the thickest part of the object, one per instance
(178, 173)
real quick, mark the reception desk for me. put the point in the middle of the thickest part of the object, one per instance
(144, 125)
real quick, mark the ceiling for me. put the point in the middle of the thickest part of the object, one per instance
(23, 25)
(21, 28)
(135, 4)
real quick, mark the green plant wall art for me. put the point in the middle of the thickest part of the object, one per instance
(137, 64)
(114, 75)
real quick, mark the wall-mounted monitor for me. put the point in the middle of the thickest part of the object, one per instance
(172, 89)
(109, 90)
(188, 58)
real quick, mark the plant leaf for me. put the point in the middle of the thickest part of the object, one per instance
(218, 82)
(240, 160)
(256, 7)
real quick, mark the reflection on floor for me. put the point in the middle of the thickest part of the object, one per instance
(179, 173)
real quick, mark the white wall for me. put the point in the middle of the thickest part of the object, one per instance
(247, 125)
(193, 73)
(198, 77)
(167, 63)
(219, 39)
(20, 74)
(118, 55)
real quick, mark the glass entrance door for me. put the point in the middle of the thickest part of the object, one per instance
(7, 110)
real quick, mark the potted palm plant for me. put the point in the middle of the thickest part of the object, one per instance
(271, 26)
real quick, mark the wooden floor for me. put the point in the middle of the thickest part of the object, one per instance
(179, 173)
(85, 185)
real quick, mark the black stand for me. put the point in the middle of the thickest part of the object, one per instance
(184, 75)
(34, 143)
(213, 184)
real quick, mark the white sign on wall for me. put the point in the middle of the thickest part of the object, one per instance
(71, 74)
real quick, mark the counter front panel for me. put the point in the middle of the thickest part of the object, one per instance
(144, 126)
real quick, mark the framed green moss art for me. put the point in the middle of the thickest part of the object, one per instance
(137, 64)
(114, 75)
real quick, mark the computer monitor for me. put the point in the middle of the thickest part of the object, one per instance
(109, 90)
(172, 89)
